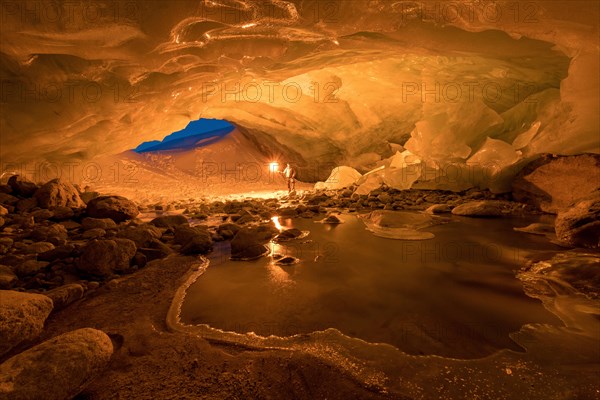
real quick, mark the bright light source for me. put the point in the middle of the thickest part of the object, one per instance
(274, 166)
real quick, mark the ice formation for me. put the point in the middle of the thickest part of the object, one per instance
(339, 178)
(320, 87)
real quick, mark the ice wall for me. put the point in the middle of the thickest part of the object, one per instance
(319, 83)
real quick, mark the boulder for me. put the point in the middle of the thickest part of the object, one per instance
(184, 233)
(8, 199)
(64, 295)
(22, 317)
(228, 230)
(26, 205)
(57, 193)
(58, 368)
(105, 257)
(142, 235)
(248, 244)
(7, 277)
(169, 221)
(483, 208)
(199, 244)
(94, 223)
(117, 208)
(156, 250)
(552, 183)
(22, 186)
(579, 225)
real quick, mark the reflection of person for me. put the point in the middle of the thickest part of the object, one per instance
(290, 174)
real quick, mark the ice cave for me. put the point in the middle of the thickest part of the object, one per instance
(299, 199)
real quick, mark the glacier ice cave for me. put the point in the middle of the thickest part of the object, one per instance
(439, 236)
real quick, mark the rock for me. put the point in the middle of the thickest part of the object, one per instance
(22, 317)
(46, 233)
(8, 199)
(64, 295)
(102, 223)
(552, 183)
(580, 224)
(2, 222)
(57, 193)
(247, 244)
(184, 233)
(156, 250)
(30, 268)
(142, 235)
(7, 277)
(26, 205)
(42, 215)
(228, 230)
(39, 247)
(22, 186)
(62, 213)
(93, 233)
(385, 198)
(438, 209)
(58, 368)
(104, 257)
(169, 221)
(199, 244)
(58, 253)
(3, 211)
(289, 234)
(331, 219)
(483, 208)
(71, 225)
(117, 208)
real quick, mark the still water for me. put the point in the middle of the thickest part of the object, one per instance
(455, 295)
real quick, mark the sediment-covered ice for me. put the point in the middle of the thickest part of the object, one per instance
(400, 224)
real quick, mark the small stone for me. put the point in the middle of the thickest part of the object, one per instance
(38, 247)
(169, 221)
(102, 223)
(438, 209)
(93, 233)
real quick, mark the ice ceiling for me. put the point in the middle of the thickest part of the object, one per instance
(340, 82)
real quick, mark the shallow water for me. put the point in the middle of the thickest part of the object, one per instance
(455, 295)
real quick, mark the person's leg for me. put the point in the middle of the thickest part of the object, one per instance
(293, 184)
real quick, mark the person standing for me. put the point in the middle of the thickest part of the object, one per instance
(290, 174)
